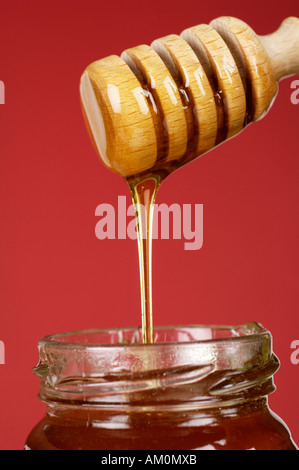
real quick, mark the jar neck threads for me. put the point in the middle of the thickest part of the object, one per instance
(185, 368)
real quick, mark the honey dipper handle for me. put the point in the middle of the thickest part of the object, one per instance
(282, 48)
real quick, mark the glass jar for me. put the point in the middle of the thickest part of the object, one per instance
(196, 387)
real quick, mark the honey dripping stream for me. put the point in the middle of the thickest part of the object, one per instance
(143, 195)
(144, 188)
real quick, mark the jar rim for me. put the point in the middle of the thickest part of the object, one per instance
(245, 332)
(212, 362)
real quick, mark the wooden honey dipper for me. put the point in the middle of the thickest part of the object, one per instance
(156, 108)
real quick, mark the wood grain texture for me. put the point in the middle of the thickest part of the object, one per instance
(183, 63)
(119, 116)
(224, 69)
(171, 120)
(282, 48)
(257, 70)
(156, 108)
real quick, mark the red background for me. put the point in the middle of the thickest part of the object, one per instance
(55, 274)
